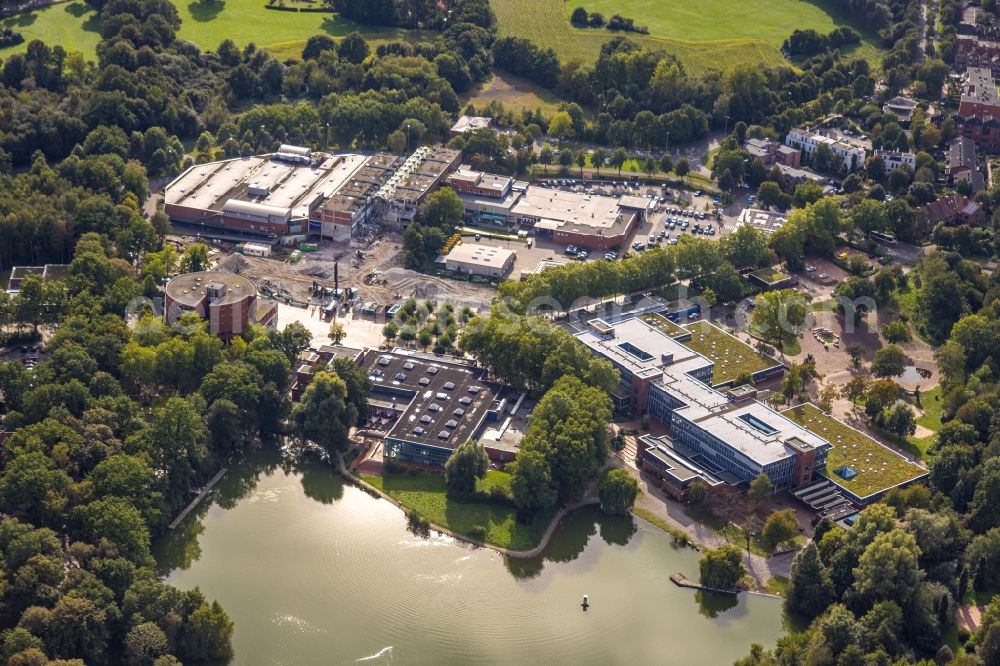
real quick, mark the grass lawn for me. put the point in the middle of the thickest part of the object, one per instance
(546, 22)
(73, 25)
(424, 492)
(732, 357)
(879, 467)
(791, 346)
(931, 404)
(709, 20)
(679, 535)
(778, 585)
(664, 325)
(516, 94)
(204, 22)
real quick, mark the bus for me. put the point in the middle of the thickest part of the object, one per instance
(885, 238)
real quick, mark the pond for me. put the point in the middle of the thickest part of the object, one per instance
(315, 571)
(912, 375)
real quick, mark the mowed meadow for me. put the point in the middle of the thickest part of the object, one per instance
(203, 22)
(703, 34)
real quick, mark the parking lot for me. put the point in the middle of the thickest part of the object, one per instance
(681, 208)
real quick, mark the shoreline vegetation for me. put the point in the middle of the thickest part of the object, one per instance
(375, 485)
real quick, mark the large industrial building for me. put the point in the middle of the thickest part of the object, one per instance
(293, 192)
(585, 220)
(723, 436)
(228, 301)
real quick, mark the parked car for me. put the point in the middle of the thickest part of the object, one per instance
(610, 256)
(638, 246)
(810, 269)
(823, 276)
(570, 249)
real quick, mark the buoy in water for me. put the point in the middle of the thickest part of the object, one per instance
(585, 604)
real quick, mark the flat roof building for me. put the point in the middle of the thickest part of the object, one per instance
(287, 192)
(725, 433)
(468, 124)
(418, 176)
(484, 260)
(434, 405)
(979, 93)
(488, 198)
(765, 221)
(586, 220)
(46, 272)
(228, 301)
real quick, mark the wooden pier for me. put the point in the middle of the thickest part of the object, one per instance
(680, 580)
(197, 500)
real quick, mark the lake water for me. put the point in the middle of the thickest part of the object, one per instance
(315, 571)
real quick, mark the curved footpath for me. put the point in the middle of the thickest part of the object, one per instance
(520, 554)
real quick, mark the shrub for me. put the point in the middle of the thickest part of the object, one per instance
(417, 524)
(498, 493)
(394, 466)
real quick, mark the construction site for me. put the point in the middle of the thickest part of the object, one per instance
(366, 274)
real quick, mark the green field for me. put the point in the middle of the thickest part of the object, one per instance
(424, 493)
(708, 20)
(703, 35)
(206, 23)
(732, 357)
(516, 94)
(879, 467)
(74, 25)
(546, 22)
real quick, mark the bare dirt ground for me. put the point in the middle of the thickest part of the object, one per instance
(834, 363)
(377, 273)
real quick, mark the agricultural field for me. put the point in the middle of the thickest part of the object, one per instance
(878, 467)
(732, 357)
(205, 22)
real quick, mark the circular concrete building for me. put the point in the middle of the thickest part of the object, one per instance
(228, 301)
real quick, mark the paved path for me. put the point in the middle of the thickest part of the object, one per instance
(657, 503)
